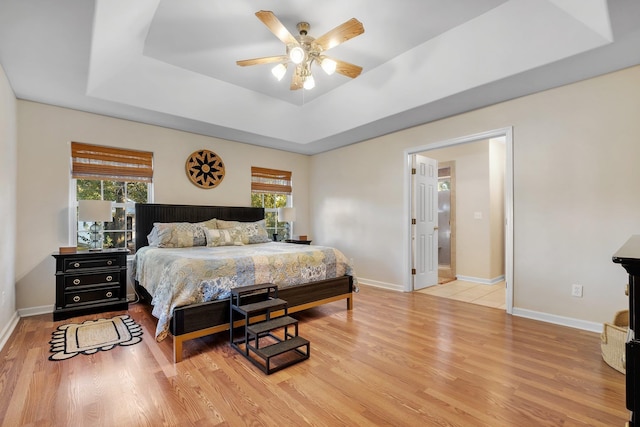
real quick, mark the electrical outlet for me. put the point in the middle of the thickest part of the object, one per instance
(576, 291)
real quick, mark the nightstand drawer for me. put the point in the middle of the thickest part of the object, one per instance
(89, 296)
(71, 265)
(109, 277)
(90, 282)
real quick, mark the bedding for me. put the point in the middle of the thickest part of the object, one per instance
(176, 277)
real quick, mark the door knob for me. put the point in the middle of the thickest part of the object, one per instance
(436, 228)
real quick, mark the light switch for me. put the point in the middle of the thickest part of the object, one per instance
(477, 215)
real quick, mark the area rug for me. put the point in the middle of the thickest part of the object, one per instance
(93, 335)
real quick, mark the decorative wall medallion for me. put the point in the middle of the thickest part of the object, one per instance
(205, 169)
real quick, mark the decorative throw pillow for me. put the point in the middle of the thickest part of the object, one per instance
(226, 237)
(211, 224)
(252, 232)
(223, 224)
(177, 235)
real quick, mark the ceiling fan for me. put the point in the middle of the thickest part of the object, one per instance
(302, 51)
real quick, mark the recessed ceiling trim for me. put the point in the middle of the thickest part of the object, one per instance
(67, 49)
(592, 13)
(438, 68)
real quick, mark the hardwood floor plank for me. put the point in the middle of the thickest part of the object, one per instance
(22, 392)
(395, 359)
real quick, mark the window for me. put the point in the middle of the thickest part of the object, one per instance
(121, 176)
(271, 189)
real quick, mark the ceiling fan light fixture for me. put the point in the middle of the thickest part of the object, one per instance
(296, 55)
(279, 71)
(309, 82)
(328, 65)
(303, 50)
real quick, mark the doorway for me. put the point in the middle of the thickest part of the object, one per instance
(506, 205)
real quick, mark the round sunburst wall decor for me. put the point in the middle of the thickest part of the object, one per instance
(205, 169)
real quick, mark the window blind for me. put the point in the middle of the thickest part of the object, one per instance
(265, 180)
(109, 163)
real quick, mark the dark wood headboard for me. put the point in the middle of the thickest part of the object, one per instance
(148, 213)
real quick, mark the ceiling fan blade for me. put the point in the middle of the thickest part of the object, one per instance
(265, 60)
(340, 34)
(275, 26)
(296, 79)
(347, 69)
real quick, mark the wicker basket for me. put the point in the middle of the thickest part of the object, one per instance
(614, 336)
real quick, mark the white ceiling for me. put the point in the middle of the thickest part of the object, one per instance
(172, 62)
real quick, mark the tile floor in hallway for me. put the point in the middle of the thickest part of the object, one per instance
(487, 295)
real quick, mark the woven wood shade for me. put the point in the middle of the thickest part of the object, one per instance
(275, 181)
(110, 163)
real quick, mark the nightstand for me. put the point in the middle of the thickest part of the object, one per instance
(298, 242)
(90, 282)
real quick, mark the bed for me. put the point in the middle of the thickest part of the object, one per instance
(198, 319)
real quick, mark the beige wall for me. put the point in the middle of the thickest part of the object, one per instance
(576, 183)
(45, 133)
(575, 189)
(8, 160)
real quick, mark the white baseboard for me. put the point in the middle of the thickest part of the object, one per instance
(8, 329)
(480, 280)
(377, 284)
(34, 311)
(559, 320)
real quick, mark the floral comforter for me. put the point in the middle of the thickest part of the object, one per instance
(176, 277)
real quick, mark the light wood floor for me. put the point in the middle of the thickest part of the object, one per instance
(487, 295)
(398, 359)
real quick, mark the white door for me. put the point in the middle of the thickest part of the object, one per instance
(425, 214)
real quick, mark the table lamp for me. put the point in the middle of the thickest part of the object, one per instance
(286, 215)
(96, 211)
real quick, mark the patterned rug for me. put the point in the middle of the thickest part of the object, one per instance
(93, 335)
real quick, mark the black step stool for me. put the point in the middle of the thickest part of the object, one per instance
(264, 313)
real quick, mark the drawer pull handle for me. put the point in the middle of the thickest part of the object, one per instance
(109, 262)
(76, 298)
(109, 294)
(76, 281)
(109, 278)
(76, 264)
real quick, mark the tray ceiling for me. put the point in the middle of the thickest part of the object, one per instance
(172, 62)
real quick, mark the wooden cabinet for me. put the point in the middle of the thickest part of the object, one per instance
(90, 282)
(629, 257)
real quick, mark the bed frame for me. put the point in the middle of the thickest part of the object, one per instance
(198, 320)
